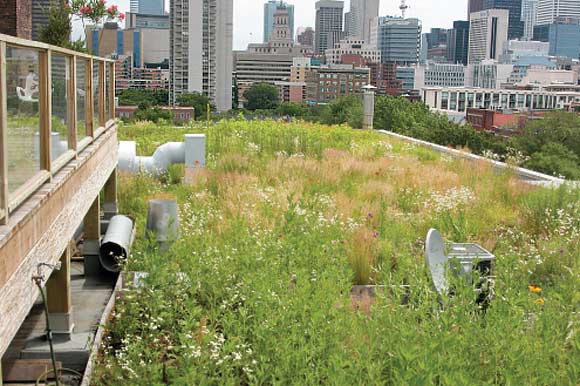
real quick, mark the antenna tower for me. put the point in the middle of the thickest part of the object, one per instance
(403, 7)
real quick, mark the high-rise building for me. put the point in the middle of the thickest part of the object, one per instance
(269, 10)
(474, 6)
(16, 18)
(201, 53)
(529, 17)
(352, 47)
(359, 19)
(550, 10)
(398, 39)
(147, 7)
(436, 38)
(305, 37)
(40, 13)
(515, 23)
(328, 24)
(488, 32)
(563, 36)
(458, 42)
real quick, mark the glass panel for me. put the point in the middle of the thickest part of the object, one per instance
(82, 132)
(23, 136)
(107, 92)
(60, 72)
(96, 96)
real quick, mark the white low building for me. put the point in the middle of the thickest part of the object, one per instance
(352, 47)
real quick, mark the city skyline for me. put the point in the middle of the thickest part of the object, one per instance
(248, 15)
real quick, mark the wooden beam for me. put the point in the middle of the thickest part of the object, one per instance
(93, 221)
(72, 103)
(58, 286)
(45, 95)
(43, 46)
(3, 138)
(110, 196)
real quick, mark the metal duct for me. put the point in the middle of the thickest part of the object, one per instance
(191, 152)
(116, 244)
(163, 221)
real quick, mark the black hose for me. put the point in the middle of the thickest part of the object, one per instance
(38, 281)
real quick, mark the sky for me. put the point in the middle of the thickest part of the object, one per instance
(248, 15)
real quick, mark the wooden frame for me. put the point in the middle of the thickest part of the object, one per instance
(45, 108)
(3, 139)
(9, 201)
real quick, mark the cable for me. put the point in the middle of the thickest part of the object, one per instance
(38, 281)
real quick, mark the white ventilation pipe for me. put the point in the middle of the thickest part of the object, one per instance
(191, 153)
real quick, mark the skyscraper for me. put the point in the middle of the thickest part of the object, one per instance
(305, 37)
(328, 24)
(458, 42)
(269, 10)
(488, 32)
(201, 55)
(398, 39)
(362, 13)
(529, 16)
(40, 13)
(148, 7)
(550, 10)
(474, 6)
(515, 23)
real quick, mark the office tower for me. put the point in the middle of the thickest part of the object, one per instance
(474, 6)
(563, 36)
(328, 24)
(40, 13)
(16, 18)
(361, 15)
(515, 23)
(398, 39)
(458, 42)
(306, 37)
(201, 55)
(550, 10)
(147, 7)
(488, 32)
(436, 38)
(269, 10)
(529, 16)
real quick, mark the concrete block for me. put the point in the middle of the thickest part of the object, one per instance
(92, 265)
(194, 150)
(62, 323)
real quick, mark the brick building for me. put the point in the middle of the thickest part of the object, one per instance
(16, 18)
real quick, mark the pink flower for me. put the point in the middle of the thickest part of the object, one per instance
(121, 16)
(85, 10)
(102, 1)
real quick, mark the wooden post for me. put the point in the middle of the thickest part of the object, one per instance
(45, 93)
(111, 91)
(102, 97)
(110, 196)
(92, 235)
(72, 103)
(89, 97)
(3, 138)
(58, 292)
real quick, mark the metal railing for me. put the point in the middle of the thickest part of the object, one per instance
(54, 102)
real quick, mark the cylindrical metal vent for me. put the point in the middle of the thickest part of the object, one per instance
(116, 244)
(163, 221)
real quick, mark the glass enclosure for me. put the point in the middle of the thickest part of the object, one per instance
(96, 96)
(60, 74)
(82, 102)
(23, 130)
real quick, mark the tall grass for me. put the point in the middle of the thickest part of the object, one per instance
(289, 216)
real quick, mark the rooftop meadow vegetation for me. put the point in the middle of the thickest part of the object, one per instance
(287, 217)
